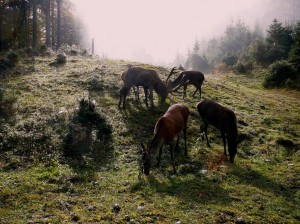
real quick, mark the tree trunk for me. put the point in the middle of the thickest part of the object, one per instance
(53, 22)
(1, 24)
(47, 23)
(58, 24)
(34, 25)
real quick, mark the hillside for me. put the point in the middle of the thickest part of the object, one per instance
(38, 184)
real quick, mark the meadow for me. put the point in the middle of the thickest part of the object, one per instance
(39, 184)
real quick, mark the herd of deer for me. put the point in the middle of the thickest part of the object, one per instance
(174, 121)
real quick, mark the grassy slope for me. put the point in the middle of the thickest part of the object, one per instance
(261, 187)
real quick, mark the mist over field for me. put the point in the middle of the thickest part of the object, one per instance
(158, 31)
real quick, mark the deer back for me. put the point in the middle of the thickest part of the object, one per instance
(172, 122)
(218, 116)
(193, 77)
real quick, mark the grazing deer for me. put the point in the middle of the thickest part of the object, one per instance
(184, 79)
(149, 79)
(224, 120)
(136, 90)
(167, 128)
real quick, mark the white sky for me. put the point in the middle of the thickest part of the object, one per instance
(156, 30)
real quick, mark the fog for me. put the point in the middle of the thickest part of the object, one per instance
(155, 31)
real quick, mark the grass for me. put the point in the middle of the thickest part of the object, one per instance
(39, 185)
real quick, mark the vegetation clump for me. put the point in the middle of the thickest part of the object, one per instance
(243, 67)
(7, 101)
(88, 130)
(95, 83)
(11, 60)
(61, 58)
(281, 74)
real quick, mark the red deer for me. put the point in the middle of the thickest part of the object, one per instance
(149, 79)
(167, 128)
(224, 120)
(136, 90)
(184, 79)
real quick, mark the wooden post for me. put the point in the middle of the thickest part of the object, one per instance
(93, 45)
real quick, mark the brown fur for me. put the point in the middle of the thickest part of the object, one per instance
(167, 128)
(149, 79)
(186, 78)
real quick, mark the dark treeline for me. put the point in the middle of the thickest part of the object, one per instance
(240, 44)
(38, 23)
(241, 48)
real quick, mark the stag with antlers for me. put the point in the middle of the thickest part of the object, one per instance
(185, 78)
(148, 79)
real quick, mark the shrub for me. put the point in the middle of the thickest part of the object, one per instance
(7, 101)
(229, 59)
(61, 58)
(13, 57)
(279, 74)
(243, 67)
(94, 83)
(239, 67)
(87, 130)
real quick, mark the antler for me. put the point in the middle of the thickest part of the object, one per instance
(172, 72)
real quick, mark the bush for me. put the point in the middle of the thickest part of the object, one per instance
(61, 58)
(243, 67)
(280, 74)
(229, 59)
(94, 83)
(88, 131)
(7, 101)
(13, 57)
(239, 67)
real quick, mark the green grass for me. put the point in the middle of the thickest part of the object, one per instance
(39, 185)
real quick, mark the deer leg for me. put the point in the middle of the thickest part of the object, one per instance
(146, 95)
(205, 131)
(184, 91)
(200, 91)
(126, 91)
(184, 136)
(177, 144)
(151, 96)
(224, 142)
(136, 92)
(120, 100)
(123, 94)
(159, 157)
(195, 92)
(172, 157)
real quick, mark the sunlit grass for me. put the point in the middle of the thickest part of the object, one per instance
(261, 187)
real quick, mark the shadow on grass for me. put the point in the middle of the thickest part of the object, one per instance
(87, 165)
(195, 189)
(88, 144)
(252, 177)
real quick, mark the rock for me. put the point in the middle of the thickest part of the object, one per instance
(240, 220)
(127, 218)
(203, 171)
(140, 208)
(91, 208)
(116, 208)
(254, 133)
